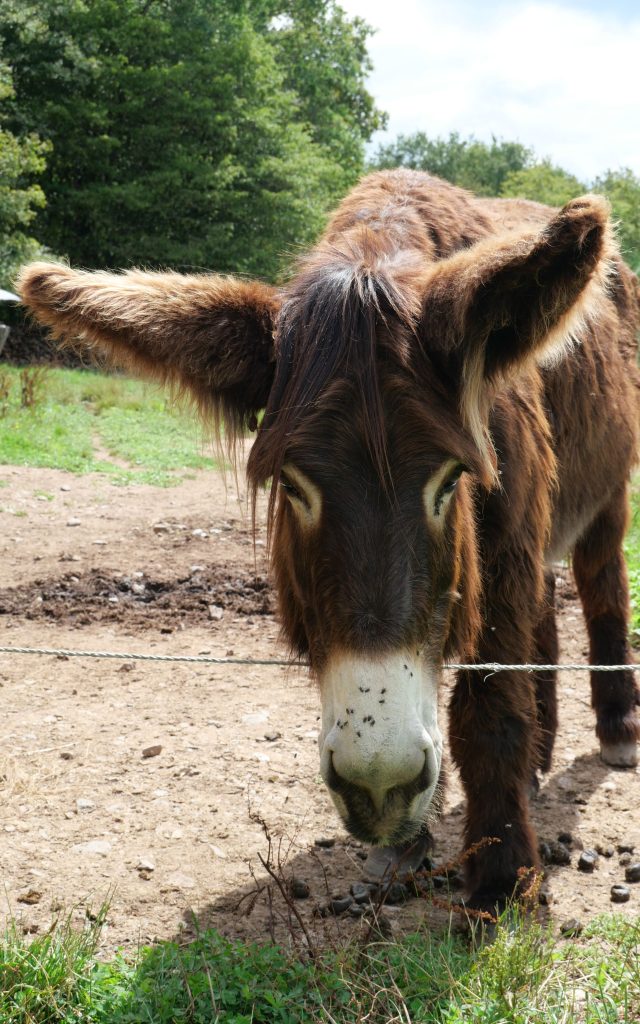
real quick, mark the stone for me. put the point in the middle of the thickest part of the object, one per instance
(363, 892)
(99, 847)
(162, 528)
(272, 736)
(587, 861)
(571, 928)
(215, 612)
(299, 889)
(396, 893)
(84, 806)
(566, 838)
(632, 873)
(620, 894)
(324, 843)
(625, 858)
(152, 751)
(73, 521)
(339, 906)
(626, 847)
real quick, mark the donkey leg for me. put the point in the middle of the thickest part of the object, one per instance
(546, 643)
(492, 734)
(601, 577)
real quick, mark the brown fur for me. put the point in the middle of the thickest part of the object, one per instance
(426, 326)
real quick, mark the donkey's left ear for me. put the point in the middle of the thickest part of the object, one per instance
(514, 300)
(208, 335)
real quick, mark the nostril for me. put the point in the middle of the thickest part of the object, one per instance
(407, 790)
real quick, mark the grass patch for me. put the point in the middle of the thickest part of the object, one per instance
(523, 977)
(149, 441)
(632, 553)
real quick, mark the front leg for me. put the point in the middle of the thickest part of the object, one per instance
(492, 736)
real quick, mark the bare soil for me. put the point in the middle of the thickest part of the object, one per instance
(174, 840)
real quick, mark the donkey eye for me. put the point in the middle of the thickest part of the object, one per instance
(293, 492)
(447, 487)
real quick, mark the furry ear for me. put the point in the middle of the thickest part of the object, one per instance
(510, 302)
(209, 335)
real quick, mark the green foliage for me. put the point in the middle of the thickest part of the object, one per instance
(472, 164)
(632, 553)
(544, 183)
(623, 190)
(21, 159)
(522, 977)
(80, 411)
(179, 137)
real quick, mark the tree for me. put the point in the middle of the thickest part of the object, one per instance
(21, 159)
(544, 183)
(623, 191)
(478, 166)
(177, 137)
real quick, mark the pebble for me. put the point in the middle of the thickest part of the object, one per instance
(73, 521)
(162, 528)
(215, 612)
(299, 889)
(272, 736)
(84, 805)
(632, 874)
(559, 854)
(571, 928)
(324, 844)
(99, 846)
(396, 893)
(339, 906)
(625, 858)
(626, 847)
(362, 892)
(620, 894)
(566, 838)
(355, 910)
(605, 851)
(588, 860)
(152, 751)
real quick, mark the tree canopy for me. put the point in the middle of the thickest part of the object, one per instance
(190, 133)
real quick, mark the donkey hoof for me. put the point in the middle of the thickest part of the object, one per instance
(384, 862)
(621, 755)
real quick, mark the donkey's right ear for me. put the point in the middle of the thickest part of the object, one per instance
(209, 335)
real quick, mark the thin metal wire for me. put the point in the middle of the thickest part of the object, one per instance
(206, 659)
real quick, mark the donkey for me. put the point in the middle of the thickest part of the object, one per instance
(450, 401)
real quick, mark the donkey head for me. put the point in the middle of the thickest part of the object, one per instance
(377, 372)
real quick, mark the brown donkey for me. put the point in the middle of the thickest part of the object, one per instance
(450, 395)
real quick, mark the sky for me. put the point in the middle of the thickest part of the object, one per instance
(561, 76)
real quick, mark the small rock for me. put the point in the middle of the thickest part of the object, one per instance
(559, 854)
(181, 881)
(66, 755)
(162, 528)
(620, 894)
(299, 889)
(605, 851)
(145, 864)
(587, 860)
(396, 893)
(324, 844)
(339, 906)
(571, 928)
(626, 847)
(355, 910)
(65, 487)
(215, 612)
(201, 534)
(101, 847)
(566, 838)
(272, 736)
(625, 858)
(362, 892)
(31, 896)
(152, 751)
(84, 805)
(632, 874)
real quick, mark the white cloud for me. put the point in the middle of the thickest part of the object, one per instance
(560, 79)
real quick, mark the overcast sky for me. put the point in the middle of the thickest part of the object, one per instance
(562, 76)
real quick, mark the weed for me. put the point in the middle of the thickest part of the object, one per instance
(32, 386)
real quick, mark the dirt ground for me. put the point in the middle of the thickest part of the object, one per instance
(174, 840)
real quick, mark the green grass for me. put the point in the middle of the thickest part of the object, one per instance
(632, 552)
(149, 441)
(523, 977)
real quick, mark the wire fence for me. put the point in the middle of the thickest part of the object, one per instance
(207, 659)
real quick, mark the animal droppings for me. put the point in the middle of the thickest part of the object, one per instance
(587, 860)
(632, 874)
(620, 894)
